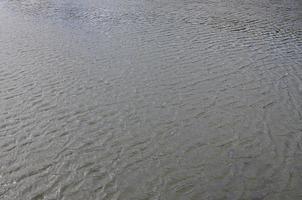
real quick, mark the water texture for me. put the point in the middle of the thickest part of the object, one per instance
(150, 99)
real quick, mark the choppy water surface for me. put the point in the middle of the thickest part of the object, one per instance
(150, 99)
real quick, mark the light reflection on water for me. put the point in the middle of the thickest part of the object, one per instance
(150, 99)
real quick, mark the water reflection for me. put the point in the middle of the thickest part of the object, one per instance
(150, 100)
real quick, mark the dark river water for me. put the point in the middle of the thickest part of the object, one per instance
(150, 99)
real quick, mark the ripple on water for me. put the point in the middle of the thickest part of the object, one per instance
(150, 100)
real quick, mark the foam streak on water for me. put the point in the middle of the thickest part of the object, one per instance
(150, 100)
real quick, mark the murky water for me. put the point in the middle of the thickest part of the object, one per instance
(150, 99)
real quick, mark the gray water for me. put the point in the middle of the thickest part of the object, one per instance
(150, 99)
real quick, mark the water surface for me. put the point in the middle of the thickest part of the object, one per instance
(150, 100)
